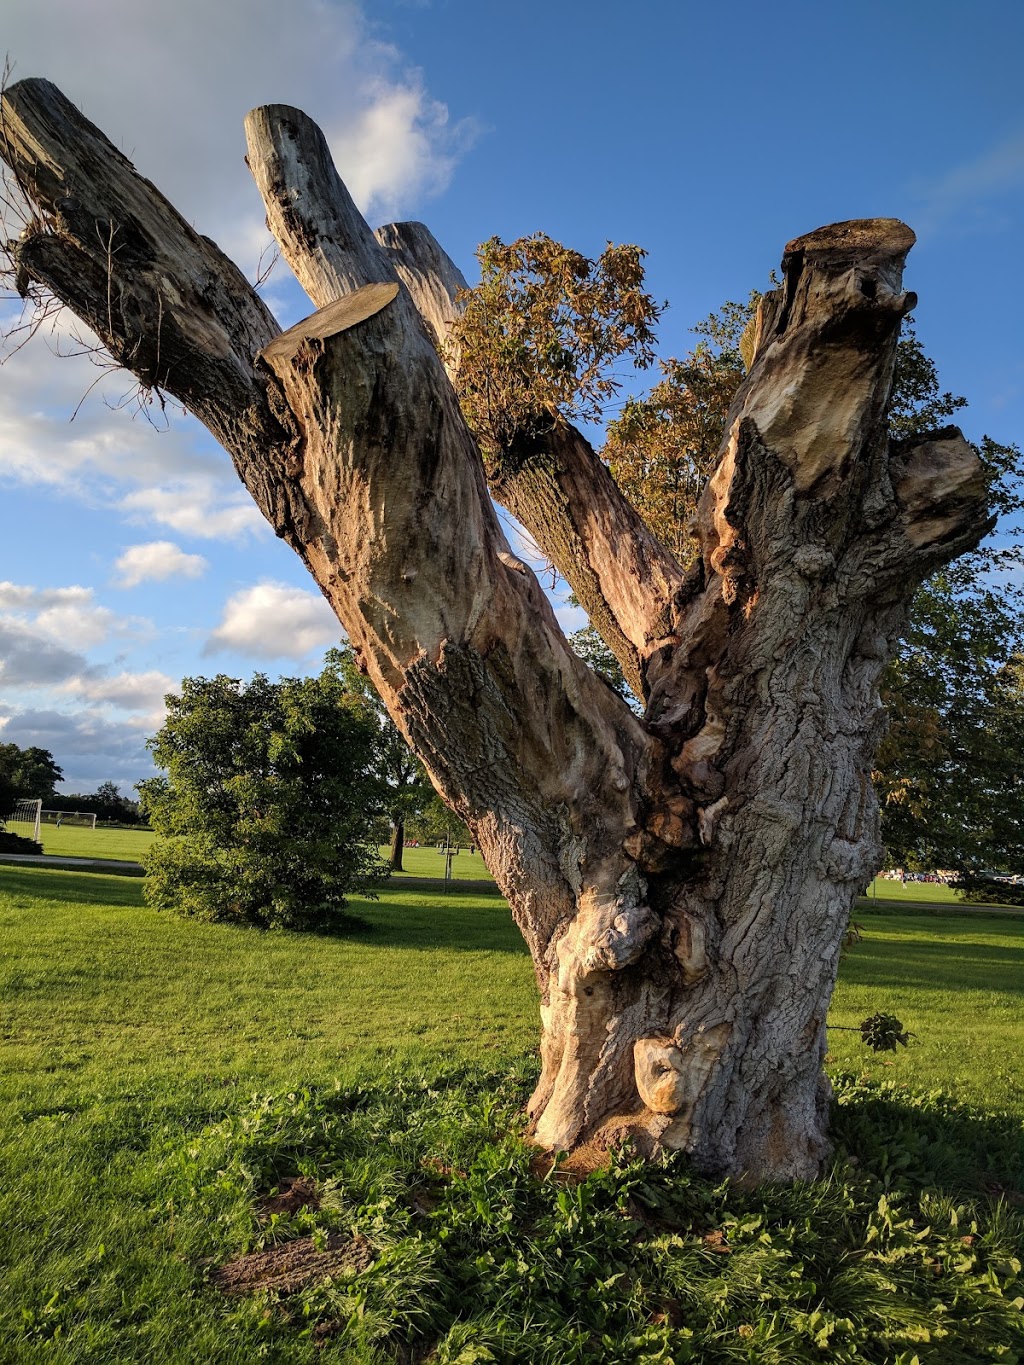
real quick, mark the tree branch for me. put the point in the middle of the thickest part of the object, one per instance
(454, 631)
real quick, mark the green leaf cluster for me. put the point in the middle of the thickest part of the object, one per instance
(266, 810)
(539, 337)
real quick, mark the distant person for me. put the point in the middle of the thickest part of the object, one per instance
(57, 822)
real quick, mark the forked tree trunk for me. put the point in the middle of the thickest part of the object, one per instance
(683, 880)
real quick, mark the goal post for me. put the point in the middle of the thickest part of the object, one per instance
(25, 819)
(80, 818)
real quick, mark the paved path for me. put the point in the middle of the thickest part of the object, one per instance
(128, 869)
(122, 868)
(117, 866)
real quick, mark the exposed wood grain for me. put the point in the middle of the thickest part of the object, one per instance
(326, 322)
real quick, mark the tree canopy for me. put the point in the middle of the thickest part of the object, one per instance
(29, 774)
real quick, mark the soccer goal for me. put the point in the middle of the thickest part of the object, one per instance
(81, 818)
(25, 819)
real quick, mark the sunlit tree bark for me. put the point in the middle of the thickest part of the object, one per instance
(683, 879)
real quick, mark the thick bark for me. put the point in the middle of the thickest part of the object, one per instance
(683, 882)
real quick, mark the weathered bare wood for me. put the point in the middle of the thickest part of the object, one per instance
(336, 317)
(454, 630)
(683, 997)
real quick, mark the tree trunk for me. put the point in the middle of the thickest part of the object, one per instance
(397, 844)
(683, 880)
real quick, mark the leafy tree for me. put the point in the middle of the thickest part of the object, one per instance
(106, 802)
(589, 645)
(31, 773)
(949, 770)
(265, 813)
(663, 447)
(408, 786)
(433, 823)
(8, 795)
(538, 336)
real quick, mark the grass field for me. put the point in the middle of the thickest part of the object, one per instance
(934, 893)
(129, 845)
(429, 862)
(73, 841)
(132, 1043)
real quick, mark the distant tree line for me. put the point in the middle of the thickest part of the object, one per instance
(32, 774)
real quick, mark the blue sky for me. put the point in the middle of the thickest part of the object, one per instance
(130, 555)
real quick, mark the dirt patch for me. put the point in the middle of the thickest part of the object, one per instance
(287, 1269)
(298, 1192)
(571, 1168)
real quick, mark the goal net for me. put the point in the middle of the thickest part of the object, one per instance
(25, 819)
(80, 818)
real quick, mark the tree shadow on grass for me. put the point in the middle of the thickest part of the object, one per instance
(463, 923)
(29, 885)
(975, 966)
(912, 1140)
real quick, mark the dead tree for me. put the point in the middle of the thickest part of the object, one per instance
(683, 879)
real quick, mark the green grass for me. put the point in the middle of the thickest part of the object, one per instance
(75, 841)
(957, 982)
(429, 862)
(132, 1043)
(96, 984)
(934, 893)
(930, 893)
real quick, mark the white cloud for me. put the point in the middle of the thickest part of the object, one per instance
(399, 148)
(89, 746)
(23, 597)
(966, 191)
(84, 627)
(571, 619)
(157, 560)
(172, 475)
(191, 508)
(274, 621)
(141, 693)
(42, 630)
(175, 104)
(29, 659)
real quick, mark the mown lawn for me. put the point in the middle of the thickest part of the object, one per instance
(429, 862)
(133, 1152)
(934, 893)
(76, 841)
